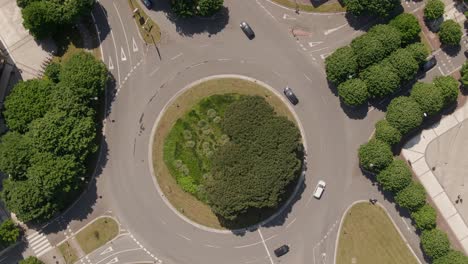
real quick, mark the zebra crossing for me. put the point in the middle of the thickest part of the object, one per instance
(39, 243)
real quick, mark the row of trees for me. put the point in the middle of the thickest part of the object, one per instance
(44, 18)
(405, 114)
(450, 32)
(189, 8)
(262, 157)
(52, 132)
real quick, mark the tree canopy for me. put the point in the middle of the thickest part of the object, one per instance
(452, 257)
(450, 33)
(412, 197)
(381, 80)
(425, 218)
(353, 92)
(15, 155)
(404, 114)
(418, 51)
(435, 243)
(368, 50)
(260, 160)
(404, 63)
(341, 65)
(209, 7)
(188, 8)
(448, 87)
(386, 133)
(395, 177)
(434, 9)
(389, 36)
(464, 74)
(375, 155)
(408, 26)
(428, 96)
(381, 8)
(9, 233)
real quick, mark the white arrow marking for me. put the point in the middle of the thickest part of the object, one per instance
(286, 16)
(107, 250)
(135, 46)
(111, 66)
(311, 44)
(334, 29)
(325, 55)
(114, 260)
(122, 54)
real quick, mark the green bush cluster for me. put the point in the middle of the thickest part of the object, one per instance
(452, 257)
(412, 197)
(425, 217)
(464, 75)
(395, 177)
(381, 8)
(52, 131)
(408, 26)
(435, 243)
(9, 233)
(450, 33)
(386, 133)
(404, 114)
(188, 8)
(375, 155)
(31, 260)
(353, 92)
(434, 9)
(428, 96)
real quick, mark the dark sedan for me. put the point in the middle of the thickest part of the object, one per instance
(247, 30)
(291, 96)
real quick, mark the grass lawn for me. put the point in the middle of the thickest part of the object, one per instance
(324, 8)
(186, 203)
(68, 42)
(368, 236)
(97, 234)
(68, 253)
(150, 32)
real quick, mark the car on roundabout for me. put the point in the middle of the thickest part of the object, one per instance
(247, 30)
(283, 250)
(319, 189)
(288, 92)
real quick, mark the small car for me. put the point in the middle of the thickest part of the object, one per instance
(147, 3)
(247, 30)
(284, 249)
(429, 64)
(319, 189)
(290, 95)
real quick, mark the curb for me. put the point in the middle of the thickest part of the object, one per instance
(166, 201)
(307, 12)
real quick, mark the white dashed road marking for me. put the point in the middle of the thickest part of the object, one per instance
(39, 243)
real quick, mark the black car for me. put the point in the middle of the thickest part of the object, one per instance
(247, 30)
(291, 96)
(429, 64)
(284, 249)
(147, 3)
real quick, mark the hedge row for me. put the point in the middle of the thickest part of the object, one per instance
(405, 114)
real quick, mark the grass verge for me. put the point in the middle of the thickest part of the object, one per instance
(97, 234)
(324, 8)
(184, 202)
(68, 253)
(149, 30)
(368, 236)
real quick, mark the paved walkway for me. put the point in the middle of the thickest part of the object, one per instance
(415, 150)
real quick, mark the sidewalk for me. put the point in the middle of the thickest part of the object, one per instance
(415, 151)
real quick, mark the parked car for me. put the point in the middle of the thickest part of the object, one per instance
(429, 64)
(319, 189)
(291, 96)
(148, 3)
(284, 249)
(247, 30)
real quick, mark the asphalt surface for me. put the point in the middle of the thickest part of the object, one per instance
(289, 49)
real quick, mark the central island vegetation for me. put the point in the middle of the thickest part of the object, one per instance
(234, 153)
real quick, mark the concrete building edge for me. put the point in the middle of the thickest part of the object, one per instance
(166, 201)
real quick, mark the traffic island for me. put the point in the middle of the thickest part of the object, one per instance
(149, 30)
(196, 138)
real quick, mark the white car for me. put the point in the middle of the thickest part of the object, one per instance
(319, 189)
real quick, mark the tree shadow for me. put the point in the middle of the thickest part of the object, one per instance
(452, 51)
(359, 112)
(100, 15)
(14, 253)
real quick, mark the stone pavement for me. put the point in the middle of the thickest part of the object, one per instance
(416, 152)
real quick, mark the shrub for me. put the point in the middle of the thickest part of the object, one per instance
(434, 9)
(425, 217)
(412, 197)
(428, 96)
(375, 155)
(381, 80)
(9, 233)
(435, 243)
(368, 50)
(188, 184)
(386, 133)
(452, 257)
(353, 92)
(395, 177)
(404, 114)
(464, 74)
(450, 33)
(419, 52)
(405, 65)
(448, 87)
(341, 65)
(31, 260)
(408, 26)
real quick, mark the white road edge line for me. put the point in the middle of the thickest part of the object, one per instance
(186, 238)
(266, 248)
(176, 56)
(124, 31)
(115, 47)
(290, 223)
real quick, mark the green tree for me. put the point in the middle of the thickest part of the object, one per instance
(353, 92)
(15, 155)
(42, 18)
(9, 233)
(209, 7)
(408, 26)
(389, 36)
(448, 87)
(341, 65)
(386, 133)
(452, 257)
(183, 8)
(85, 75)
(395, 177)
(371, 7)
(62, 134)
(435, 243)
(434, 9)
(52, 71)
(27, 101)
(412, 197)
(425, 217)
(450, 33)
(404, 64)
(375, 155)
(368, 50)
(381, 80)
(418, 51)
(404, 114)
(464, 74)
(31, 260)
(428, 96)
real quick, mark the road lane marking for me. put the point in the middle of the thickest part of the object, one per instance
(107, 250)
(334, 29)
(307, 77)
(406, 224)
(211, 246)
(312, 44)
(286, 17)
(186, 238)
(124, 31)
(154, 71)
(135, 46)
(318, 49)
(114, 260)
(264, 244)
(176, 56)
(122, 54)
(266, 10)
(111, 65)
(290, 223)
(256, 243)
